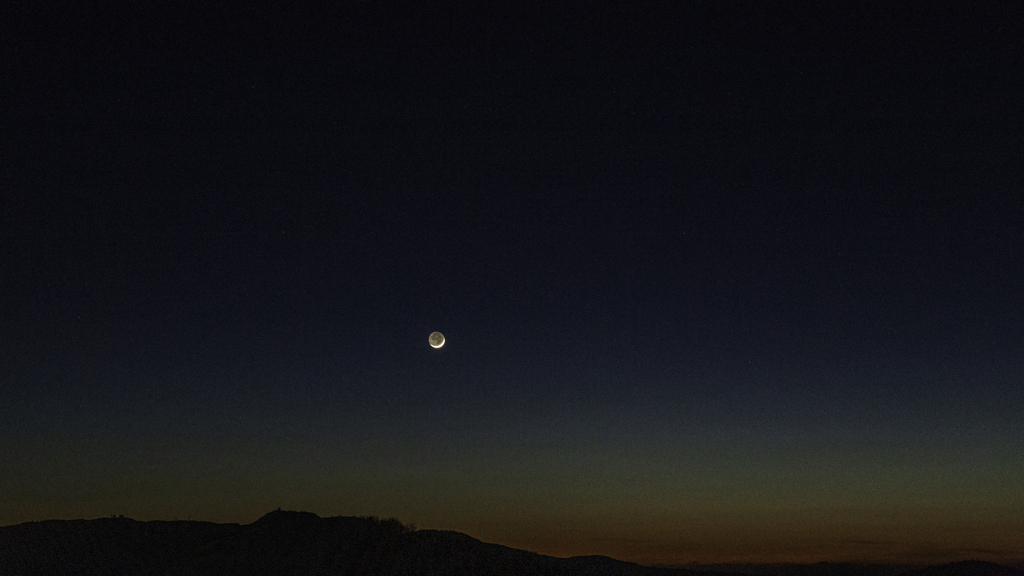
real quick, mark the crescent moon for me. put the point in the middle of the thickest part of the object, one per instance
(436, 340)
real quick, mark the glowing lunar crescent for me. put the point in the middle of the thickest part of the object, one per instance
(436, 340)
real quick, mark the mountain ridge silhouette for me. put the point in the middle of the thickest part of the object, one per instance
(304, 544)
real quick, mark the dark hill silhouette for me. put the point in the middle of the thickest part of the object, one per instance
(281, 542)
(303, 544)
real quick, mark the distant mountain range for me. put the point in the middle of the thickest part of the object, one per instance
(303, 544)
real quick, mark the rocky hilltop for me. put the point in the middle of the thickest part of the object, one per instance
(304, 544)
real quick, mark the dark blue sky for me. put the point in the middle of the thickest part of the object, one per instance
(718, 282)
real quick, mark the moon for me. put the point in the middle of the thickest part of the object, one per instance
(436, 340)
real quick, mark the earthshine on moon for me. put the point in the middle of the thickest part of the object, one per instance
(436, 340)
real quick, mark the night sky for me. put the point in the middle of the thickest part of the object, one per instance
(720, 281)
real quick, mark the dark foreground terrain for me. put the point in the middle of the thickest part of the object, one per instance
(293, 543)
(302, 544)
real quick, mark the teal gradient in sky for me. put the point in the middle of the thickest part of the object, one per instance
(708, 468)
